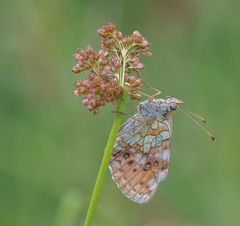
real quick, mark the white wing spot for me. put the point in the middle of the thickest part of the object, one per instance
(161, 175)
(146, 147)
(165, 135)
(155, 124)
(165, 154)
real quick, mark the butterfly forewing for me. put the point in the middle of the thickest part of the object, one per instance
(140, 156)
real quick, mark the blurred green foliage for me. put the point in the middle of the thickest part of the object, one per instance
(51, 146)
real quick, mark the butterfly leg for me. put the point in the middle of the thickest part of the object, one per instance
(122, 113)
(150, 97)
(146, 95)
(158, 92)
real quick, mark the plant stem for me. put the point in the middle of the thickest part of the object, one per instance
(105, 161)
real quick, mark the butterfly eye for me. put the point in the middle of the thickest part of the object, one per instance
(173, 106)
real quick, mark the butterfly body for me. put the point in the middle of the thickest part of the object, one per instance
(141, 153)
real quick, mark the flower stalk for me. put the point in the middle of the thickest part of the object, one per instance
(105, 161)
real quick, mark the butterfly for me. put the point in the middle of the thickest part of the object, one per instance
(140, 156)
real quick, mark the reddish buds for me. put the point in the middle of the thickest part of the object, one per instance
(102, 85)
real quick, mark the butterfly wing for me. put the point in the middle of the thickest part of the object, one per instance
(140, 156)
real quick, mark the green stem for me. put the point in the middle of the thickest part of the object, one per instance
(105, 162)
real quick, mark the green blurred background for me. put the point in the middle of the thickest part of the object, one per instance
(51, 146)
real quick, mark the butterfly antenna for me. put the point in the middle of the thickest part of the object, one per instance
(203, 120)
(198, 124)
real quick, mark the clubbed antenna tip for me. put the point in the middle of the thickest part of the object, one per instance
(213, 138)
(189, 114)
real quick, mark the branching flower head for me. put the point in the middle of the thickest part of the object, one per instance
(114, 67)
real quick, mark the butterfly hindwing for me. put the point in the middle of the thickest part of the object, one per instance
(140, 157)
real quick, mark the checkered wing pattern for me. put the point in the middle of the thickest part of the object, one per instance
(140, 156)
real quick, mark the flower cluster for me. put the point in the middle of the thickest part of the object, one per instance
(98, 91)
(117, 64)
(111, 38)
(99, 62)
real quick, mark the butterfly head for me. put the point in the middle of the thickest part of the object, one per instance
(173, 103)
(169, 104)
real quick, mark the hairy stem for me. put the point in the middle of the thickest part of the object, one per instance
(105, 161)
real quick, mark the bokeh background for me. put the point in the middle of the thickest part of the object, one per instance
(51, 146)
